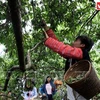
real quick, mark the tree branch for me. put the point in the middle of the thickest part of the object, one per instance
(28, 57)
(89, 19)
(16, 21)
(36, 46)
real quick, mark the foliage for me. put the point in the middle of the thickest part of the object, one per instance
(65, 17)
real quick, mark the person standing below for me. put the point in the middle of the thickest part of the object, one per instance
(48, 89)
(78, 51)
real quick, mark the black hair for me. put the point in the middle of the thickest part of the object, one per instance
(29, 83)
(46, 79)
(87, 41)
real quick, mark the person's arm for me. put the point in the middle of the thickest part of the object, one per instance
(48, 31)
(64, 50)
(51, 34)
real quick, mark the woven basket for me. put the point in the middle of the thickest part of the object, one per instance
(89, 85)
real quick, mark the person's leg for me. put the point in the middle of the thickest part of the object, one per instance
(44, 98)
(50, 97)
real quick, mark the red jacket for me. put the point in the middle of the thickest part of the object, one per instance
(64, 50)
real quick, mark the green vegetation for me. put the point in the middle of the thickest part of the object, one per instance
(68, 19)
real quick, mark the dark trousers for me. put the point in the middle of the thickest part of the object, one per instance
(50, 97)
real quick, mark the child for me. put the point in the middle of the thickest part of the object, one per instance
(78, 51)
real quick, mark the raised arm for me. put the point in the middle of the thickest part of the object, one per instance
(64, 50)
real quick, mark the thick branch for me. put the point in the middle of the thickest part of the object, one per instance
(28, 65)
(28, 57)
(16, 21)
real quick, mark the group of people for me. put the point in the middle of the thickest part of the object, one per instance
(79, 50)
(46, 91)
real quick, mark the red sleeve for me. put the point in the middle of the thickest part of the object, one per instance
(64, 50)
(51, 34)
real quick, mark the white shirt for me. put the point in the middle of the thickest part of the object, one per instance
(49, 88)
(32, 94)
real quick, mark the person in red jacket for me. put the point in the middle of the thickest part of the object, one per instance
(78, 51)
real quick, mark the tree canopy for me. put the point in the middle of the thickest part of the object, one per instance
(68, 19)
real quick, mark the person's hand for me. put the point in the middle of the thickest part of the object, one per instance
(43, 23)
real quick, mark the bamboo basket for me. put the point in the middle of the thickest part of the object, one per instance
(89, 85)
